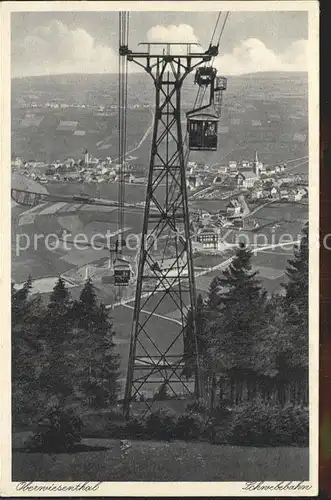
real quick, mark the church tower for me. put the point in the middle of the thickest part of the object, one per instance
(257, 166)
(86, 158)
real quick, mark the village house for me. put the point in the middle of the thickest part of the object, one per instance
(223, 169)
(104, 171)
(192, 164)
(269, 170)
(94, 161)
(208, 237)
(257, 193)
(283, 194)
(18, 162)
(129, 178)
(245, 164)
(140, 180)
(274, 193)
(204, 216)
(223, 222)
(112, 175)
(262, 168)
(233, 208)
(286, 180)
(304, 191)
(294, 195)
(194, 181)
(240, 180)
(233, 167)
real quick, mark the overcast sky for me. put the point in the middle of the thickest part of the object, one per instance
(87, 42)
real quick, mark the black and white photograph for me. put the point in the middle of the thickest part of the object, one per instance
(162, 248)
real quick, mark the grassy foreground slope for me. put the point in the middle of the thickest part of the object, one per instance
(160, 461)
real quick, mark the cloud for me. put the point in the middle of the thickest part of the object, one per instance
(56, 49)
(252, 55)
(173, 33)
(181, 33)
(249, 56)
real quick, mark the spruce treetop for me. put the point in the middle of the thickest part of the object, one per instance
(60, 295)
(88, 296)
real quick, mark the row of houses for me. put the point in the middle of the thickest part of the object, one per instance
(280, 193)
(89, 169)
(245, 174)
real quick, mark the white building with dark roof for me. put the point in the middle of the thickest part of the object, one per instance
(208, 237)
(246, 179)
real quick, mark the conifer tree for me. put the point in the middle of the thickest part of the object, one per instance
(19, 300)
(98, 364)
(201, 342)
(214, 294)
(28, 351)
(242, 312)
(57, 329)
(295, 304)
(59, 313)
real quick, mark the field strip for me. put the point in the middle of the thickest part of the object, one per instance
(52, 209)
(147, 131)
(292, 167)
(28, 216)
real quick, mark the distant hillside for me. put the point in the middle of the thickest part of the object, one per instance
(84, 77)
(277, 74)
(101, 89)
(267, 112)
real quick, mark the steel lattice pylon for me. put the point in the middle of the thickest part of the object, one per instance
(165, 279)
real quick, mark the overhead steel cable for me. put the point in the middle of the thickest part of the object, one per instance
(213, 58)
(198, 98)
(197, 103)
(216, 24)
(122, 116)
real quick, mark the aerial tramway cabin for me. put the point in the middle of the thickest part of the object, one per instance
(202, 129)
(122, 272)
(202, 122)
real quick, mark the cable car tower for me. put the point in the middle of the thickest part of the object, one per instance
(165, 280)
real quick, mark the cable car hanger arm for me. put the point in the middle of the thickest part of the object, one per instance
(212, 51)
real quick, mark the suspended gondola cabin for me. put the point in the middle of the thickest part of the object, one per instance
(122, 272)
(202, 129)
(205, 76)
